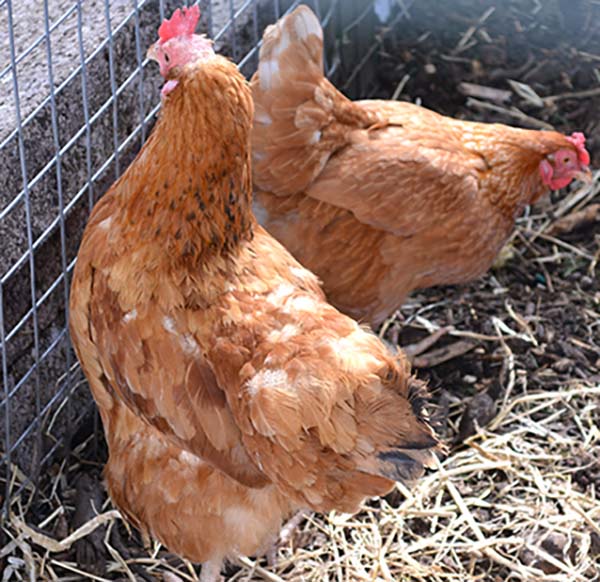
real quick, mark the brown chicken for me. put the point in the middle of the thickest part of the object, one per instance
(231, 392)
(379, 198)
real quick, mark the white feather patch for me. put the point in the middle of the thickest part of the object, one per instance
(279, 294)
(105, 224)
(354, 351)
(262, 117)
(130, 316)
(267, 71)
(169, 324)
(306, 24)
(287, 332)
(316, 136)
(268, 380)
(300, 303)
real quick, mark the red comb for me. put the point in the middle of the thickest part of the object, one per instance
(182, 23)
(578, 140)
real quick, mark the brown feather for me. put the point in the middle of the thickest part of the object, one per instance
(379, 198)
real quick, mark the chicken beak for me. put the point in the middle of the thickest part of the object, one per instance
(584, 175)
(152, 53)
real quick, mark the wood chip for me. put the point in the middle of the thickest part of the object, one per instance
(483, 92)
(441, 355)
(526, 92)
(512, 112)
(583, 218)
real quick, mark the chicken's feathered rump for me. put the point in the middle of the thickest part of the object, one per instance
(230, 392)
(300, 118)
(381, 197)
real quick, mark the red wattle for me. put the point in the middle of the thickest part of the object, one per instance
(558, 183)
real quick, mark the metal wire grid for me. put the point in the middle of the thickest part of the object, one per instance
(48, 402)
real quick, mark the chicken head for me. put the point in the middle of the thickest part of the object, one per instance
(178, 45)
(559, 168)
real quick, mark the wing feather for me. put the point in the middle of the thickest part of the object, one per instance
(385, 179)
(157, 368)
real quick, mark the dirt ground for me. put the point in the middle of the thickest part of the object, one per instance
(515, 378)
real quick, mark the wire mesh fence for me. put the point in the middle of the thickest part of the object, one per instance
(77, 101)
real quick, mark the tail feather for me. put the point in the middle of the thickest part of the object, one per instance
(407, 458)
(296, 36)
(404, 442)
(404, 466)
(401, 463)
(407, 463)
(294, 104)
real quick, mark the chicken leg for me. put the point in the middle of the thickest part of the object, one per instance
(285, 535)
(211, 571)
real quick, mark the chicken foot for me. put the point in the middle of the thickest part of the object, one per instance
(211, 571)
(285, 535)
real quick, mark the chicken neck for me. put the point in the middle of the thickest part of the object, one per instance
(513, 156)
(190, 189)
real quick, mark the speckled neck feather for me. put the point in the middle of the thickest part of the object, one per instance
(204, 178)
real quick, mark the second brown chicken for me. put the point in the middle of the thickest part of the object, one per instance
(379, 198)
